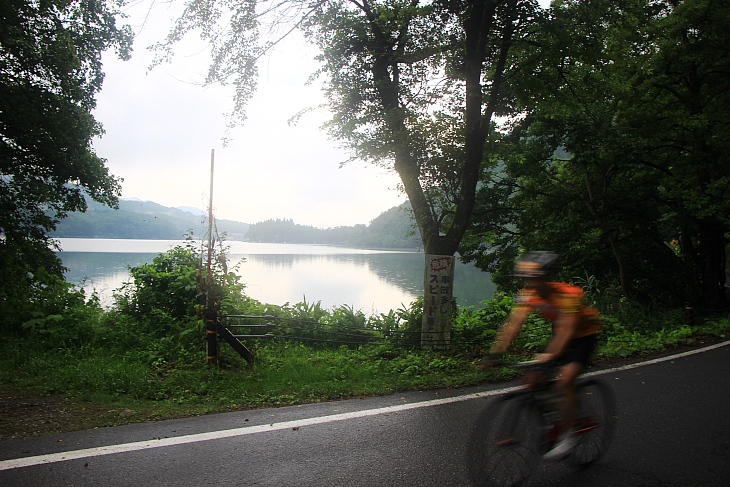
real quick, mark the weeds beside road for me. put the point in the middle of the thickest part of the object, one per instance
(25, 413)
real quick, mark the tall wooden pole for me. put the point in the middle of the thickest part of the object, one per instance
(211, 318)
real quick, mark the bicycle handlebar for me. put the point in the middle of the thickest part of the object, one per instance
(529, 365)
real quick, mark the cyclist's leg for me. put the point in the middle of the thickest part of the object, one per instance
(566, 387)
(575, 357)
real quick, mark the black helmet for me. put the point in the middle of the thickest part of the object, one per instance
(535, 264)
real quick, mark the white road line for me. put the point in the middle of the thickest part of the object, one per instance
(215, 435)
(250, 430)
(657, 360)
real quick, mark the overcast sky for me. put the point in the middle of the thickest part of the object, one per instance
(162, 125)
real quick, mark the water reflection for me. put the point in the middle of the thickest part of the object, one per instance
(102, 272)
(369, 281)
(399, 277)
(333, 280)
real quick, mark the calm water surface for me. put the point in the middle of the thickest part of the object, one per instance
(371, 281)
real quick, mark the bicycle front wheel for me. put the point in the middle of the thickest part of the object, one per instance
(595, 421)
(515, 443)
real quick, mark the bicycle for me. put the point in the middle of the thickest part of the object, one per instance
(524, 427)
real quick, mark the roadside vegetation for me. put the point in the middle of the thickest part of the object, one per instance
(145, 356)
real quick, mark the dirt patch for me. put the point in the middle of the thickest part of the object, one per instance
(24, 414)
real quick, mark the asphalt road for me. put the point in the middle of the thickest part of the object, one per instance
(673, 430)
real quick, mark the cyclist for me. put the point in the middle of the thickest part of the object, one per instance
(574, 329)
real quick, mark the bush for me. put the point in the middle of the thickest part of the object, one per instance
(158, 313)
(402, 327)
(60, 316)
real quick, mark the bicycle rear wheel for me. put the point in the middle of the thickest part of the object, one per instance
(515, 443)
(595, 421)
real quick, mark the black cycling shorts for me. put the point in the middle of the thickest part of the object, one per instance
(579, 350)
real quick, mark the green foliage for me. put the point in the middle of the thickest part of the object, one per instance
(286, 231)
(480, 325)
(61, 317)
(620, 340)
(39, 304)
(391, 229)
(50, 72)
(402, 327)
(21, 260)
(317, 326)
(49, 75)
(621, 151)
(158, 310)
(169, 285)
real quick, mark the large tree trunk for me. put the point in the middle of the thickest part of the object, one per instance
(441, 247)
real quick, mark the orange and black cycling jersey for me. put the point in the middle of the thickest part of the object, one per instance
(562, 299)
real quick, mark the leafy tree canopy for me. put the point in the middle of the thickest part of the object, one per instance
(50, 72)
(621, 161)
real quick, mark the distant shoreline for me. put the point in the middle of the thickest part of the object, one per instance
(135, 220)
(150, 245)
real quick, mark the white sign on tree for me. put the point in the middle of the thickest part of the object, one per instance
(438, 288)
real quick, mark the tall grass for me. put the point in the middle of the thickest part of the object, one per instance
(289, 372)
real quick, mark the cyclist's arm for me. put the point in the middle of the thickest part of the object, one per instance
(565, 327)
(510, 329)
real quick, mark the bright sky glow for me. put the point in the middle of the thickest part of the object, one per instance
(161, 126)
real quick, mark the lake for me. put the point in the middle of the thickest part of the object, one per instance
(371, 281)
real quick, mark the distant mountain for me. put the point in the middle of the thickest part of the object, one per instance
(392, 229)
(143, 220)
(139, 219)
(193, 210)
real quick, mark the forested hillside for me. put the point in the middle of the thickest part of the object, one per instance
(393, 229)
(140, 219)
(148, 220)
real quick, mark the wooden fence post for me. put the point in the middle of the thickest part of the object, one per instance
(211, 328)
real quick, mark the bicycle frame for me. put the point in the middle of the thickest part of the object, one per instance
(522, 425)
(541, 397)
(542, 394)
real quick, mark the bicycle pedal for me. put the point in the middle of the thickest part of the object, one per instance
(584, 426)
(505, 442)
